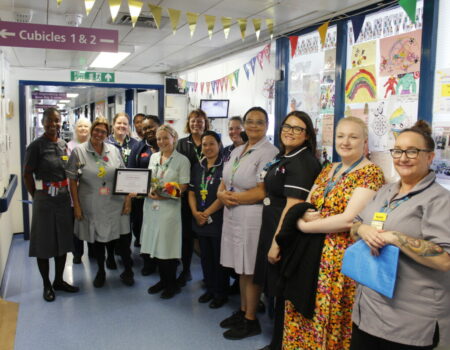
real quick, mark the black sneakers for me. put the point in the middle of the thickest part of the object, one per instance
(244, 329)
(233, 320)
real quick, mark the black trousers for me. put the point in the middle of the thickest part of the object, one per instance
(136, 217)
(216, 276)
(78, 245)
(122, 245)
(364, 341)
(168, 272)
(187, 243)
(278, 324)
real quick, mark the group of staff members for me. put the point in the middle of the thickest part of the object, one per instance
(239, 206)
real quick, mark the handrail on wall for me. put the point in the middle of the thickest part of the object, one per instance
(7, 197)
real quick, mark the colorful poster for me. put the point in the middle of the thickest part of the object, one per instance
(327, 130)
(330, 59)
(327, 98)
(361, 113)
(360, 85)
(442, 91)
(364, 54)
(400, 54)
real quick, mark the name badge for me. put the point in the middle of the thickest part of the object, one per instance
(378, 220)
(39, 185)
(104, 191)
(65, 158)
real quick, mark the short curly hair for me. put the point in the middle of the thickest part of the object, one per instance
(196, 113)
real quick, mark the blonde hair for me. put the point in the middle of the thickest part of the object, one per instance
(171, 131)
(83, 120)
(358, 121)
(100, 121)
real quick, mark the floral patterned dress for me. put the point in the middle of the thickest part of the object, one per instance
(330, 328)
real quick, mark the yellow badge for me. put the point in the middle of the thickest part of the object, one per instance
(64, 157)
(101, 171)
(203, 194)
(379, 216)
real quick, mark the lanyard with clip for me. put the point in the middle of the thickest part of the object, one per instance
(235, 167)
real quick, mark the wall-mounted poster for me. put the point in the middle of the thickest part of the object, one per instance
(400, 54)
(442, 91)
(364, 54)
(360, 85)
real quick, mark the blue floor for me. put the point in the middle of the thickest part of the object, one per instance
(116, 316)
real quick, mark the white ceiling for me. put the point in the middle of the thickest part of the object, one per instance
(157, 50)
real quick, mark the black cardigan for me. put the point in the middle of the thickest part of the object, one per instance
(300, 262)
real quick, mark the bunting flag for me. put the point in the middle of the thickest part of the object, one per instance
(192, 18)
(225, 83)
(253, 64)
(195, 87)
(226, 24)
(174, 16)
(208, 86)
(180, 83)
(242, 26)
(323, 32)
(58, 2)
(410, 8)
(257, 26)
(210, 23)
(236, 76)
(114, 7)
(260, 58)
(156, 13)
(269, 24)
(184, 83)
(294, 41)
(230, 80)
(202, 86)
(247, 70)
(135, 10)
(88, 4)
(213, 85)
(357, 24)
(266, 51)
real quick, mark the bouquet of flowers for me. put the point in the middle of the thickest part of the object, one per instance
(166, 189)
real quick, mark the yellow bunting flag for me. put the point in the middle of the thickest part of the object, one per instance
(58, 2)
(269, 24)
(242, 26)
(210, 22)
(157, 14)
(174, 16)
(323, 32)
(135, 10)
(226, 24)
(257, 26)
(192, 18)
(114, 7)
(89, 4)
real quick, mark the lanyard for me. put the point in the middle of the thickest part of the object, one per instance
(164, 168)
(198, 153)
(235, 166)
(204, 184)
(331, 183)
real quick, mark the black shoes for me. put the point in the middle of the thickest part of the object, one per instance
(111, 263)
(218, 302)
(170, 292)
(233, 320)
(244, 329)
(184, 277)
(267, 347)
(76, 260)
(49, 294)
(158, 287)
(205, 297)
(99, 280)
(65, 287)
(127, 278)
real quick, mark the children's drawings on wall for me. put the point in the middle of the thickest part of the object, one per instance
(364, 54)
(361, 85)
(400, 54)
(442, 91)
(378, 128)
(361, 113)
(407, 83)
(390, 86)
(327, 98)
(330, 60)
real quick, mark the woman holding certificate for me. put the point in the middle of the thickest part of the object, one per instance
(412, 214)
(161, 227)
(100, 216)
(340, 192)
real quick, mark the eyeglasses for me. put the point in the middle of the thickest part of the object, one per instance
(411, 153)
(297, 130)
(250, 122)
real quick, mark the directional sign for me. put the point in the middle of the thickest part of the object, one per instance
(38, 95)
(58, 37)
(92, 77)
(41, 106)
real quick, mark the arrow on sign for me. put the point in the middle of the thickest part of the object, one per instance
(108, 77)
(4, 34)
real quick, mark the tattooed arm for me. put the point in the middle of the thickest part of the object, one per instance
(424, 252)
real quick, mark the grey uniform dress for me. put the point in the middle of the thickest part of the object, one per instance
(102, 213)
(242, 223)
(51, 225)
(422, 294)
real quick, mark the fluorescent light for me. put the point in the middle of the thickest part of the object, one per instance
(72, 95)
(64, 101)
(108, 59)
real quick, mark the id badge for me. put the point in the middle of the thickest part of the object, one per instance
(65, 158)
(39, 185)
(103, 191)
(378, 220)
(53, 191)
(155, 205)
(210, 220)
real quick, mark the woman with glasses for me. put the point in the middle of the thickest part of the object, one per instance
(242, 192)
(288, 179)
(339, 193)
(416, 219)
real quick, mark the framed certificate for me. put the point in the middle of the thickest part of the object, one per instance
(132, 181)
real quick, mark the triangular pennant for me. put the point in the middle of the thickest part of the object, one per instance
(242, 26)
(58, 2)
(135, 10)
(202, 86)
(266, 51)
(184, 83)
(357, 24)
(257, 26)
(180, 83)
(225, 83)
(323, 32)
(410, 8)
(157, 14)
(208, 86)
(174, 16)
(294, 41)
(226, 24)
(220, 81)
(236, 76)
(253, 64)
(88, 4)
(192, 19)
(269, 24)
(210, 23)
(247, 70)
(195, 87)
(114, 7)
(213, 85)
(230, 80)
(260, 58)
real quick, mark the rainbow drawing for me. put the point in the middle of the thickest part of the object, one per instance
(361, 85)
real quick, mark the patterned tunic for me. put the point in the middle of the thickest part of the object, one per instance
(330, 328)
